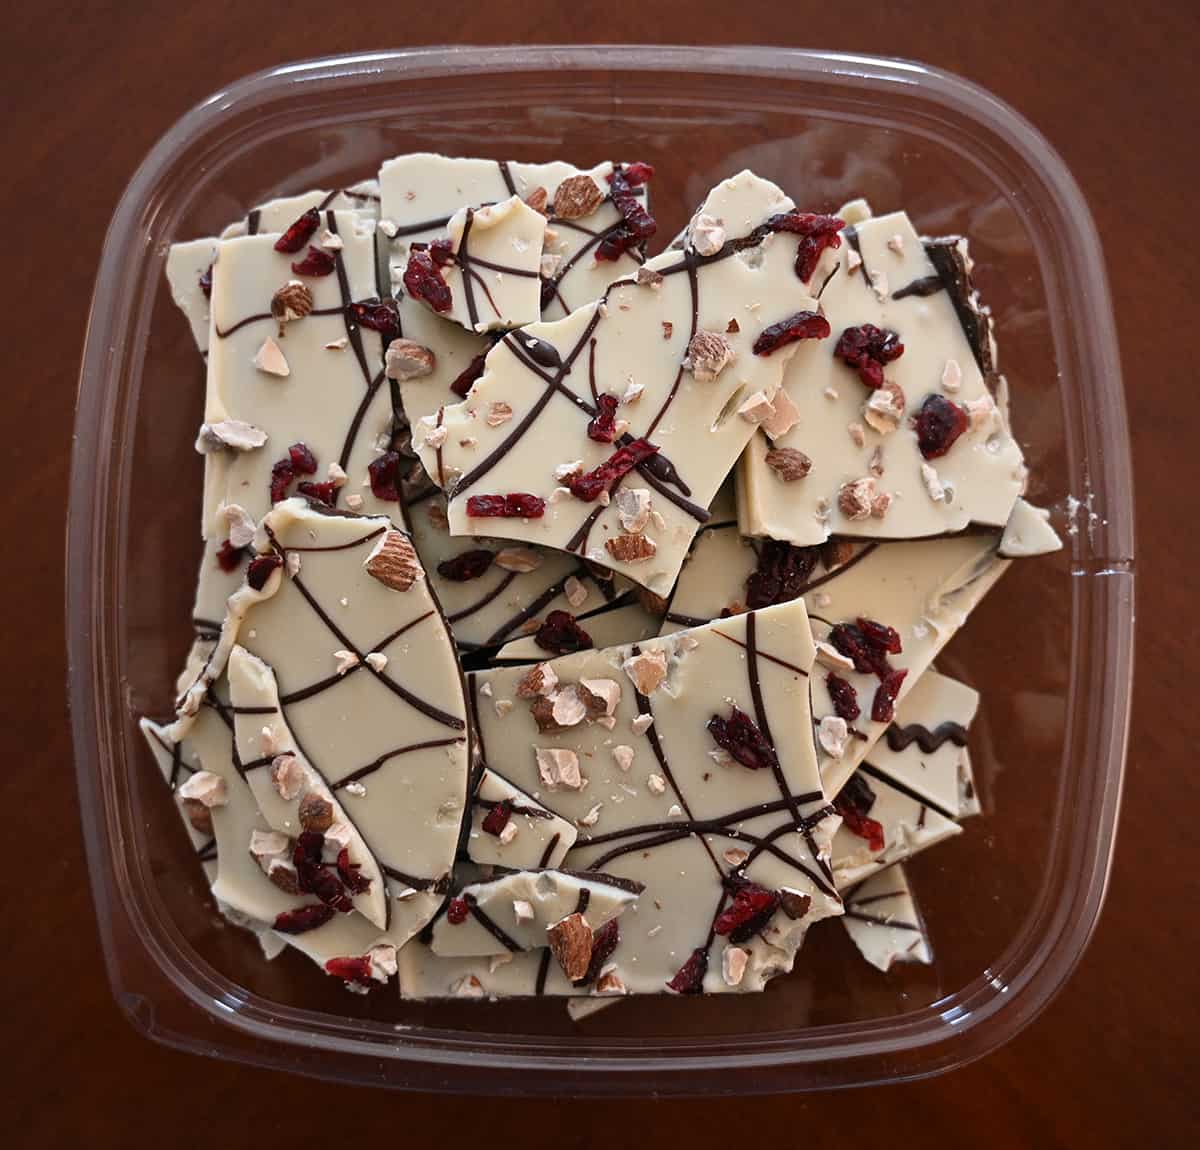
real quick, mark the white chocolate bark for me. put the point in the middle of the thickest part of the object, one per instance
(925, 749)
(884, 922)
(658, 801)
(624, 621)
(277, 214)
(551, 376)
(1028, 533)
(532, 837)
(976, 481)
(512, 913)
(186, 263)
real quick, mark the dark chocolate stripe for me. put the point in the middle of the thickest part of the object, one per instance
(352, 329)
(877, 920)
(547, 596)
(689, 257)
(252, 221)
(339, 546)
(762, 654)
(924, 286)
(375, 764)
(875, 773)
(476, 725)
(490, 925)
(543, 969)
(480, 604)
(899, 738)
(414, 881)
(360, 413)
(506, 176)
(206, 852)
(549, 851)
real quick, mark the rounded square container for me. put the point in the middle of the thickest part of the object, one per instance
(1010, 903)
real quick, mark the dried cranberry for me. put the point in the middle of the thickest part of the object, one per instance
(325, 492)
(939, 424)
(602, 427)
(299, 233)
(350, 873)
(880, 636)
(868, 348)
(516, 505)
(851, 642)
(623, 180)
(604, 942)
(844, 696)
(802, 325)
(740, 736)
(260, 569)
(780, 575)
(622, 461)
(441, 252)
(384, 474)
(467, 377)
(456, 912)
(206, 281)
(689, 978)
(561, 634)
(423, 280)
(854, 802)
(749, 912)
(883, 706)
(315, 263)
(302, 459)
(354, 969)
(303, 918)
(308, 849)
(497, 818)
(379, 315)
(282, 474)
(618, 240)
(328, 888)
(467, 566)
(229, 557)
(637, 173)
(816, 234)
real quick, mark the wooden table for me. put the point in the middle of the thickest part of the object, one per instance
(1112, 1062)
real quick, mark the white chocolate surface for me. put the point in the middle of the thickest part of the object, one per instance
(540, 837)
(883, 920)
(1028, 533)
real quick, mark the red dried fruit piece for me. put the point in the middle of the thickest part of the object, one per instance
(883, 706)
(604, 942)
(302, 459)
(740, 736)
(328, 888)
(423, 280)
(384, 474)
(379, 315)
(619, 239)
(844, 696)
(867, 348)
(516, 505)
(229, 557)
(467, 566)
(260, 569)
(441, 252)
(325, 492)
(315, 263)
(637, 224)
(466, 379)
(602, 426)
(939, 423)
(851, 642)
(802, 325)
(303, 918)
(781, 573)
(880, 635)
(206, 281)
(637, 173)
(561, 634)
(749, 912)
(282, 474)
(816, 233)
(350, 873)
(497, 818)
(854, 802)
(352, 969)
(689, 978)
(299, 232)
(622, 461)
(456, 912)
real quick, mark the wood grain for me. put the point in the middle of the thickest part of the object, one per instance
(88, 88)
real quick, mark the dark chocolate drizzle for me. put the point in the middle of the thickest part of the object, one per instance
(899, 738)
(922, 286)
(951, 268)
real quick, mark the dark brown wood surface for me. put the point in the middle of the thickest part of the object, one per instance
(1112, 1062)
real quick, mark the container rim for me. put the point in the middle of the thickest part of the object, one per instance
(937, 1037)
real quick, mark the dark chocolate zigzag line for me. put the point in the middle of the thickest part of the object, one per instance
(414, 701)
(376, 764)
(899, 738)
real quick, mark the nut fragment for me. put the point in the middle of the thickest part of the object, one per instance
(519, 559)
(611, 983)
(284, 875)
(933, 485)
(198, 815)
(784, 417)
(707, 234)
(571, 943)
(575, 591)
(407, 360)
(288, 777)
(559, 768)
(606, 694)
(270, 360)
(831, 657)
(855, 498)
(788, 463)
(539, 680)
(832, 734)
(292, 301)
(267, 846)
(648, 277)
(537, 199)
(577, 196)
(794, 904)
(394, 562)
(234, 434)
(523, 910)
(623, 756)
(633, 507)
(592, 817)
(857, 434)
(315, 813)
(951, 376)
(656, 784)
(344, 661)
(568, 709)
(881, 504)
(735, 856)
(708, 354)
(498, 413)
(467, 987)
(631, 548)
(647, 671)
(757, 408)
(884, 408)
(733, 964)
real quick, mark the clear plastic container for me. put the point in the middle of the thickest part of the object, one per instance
(1010, 903)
